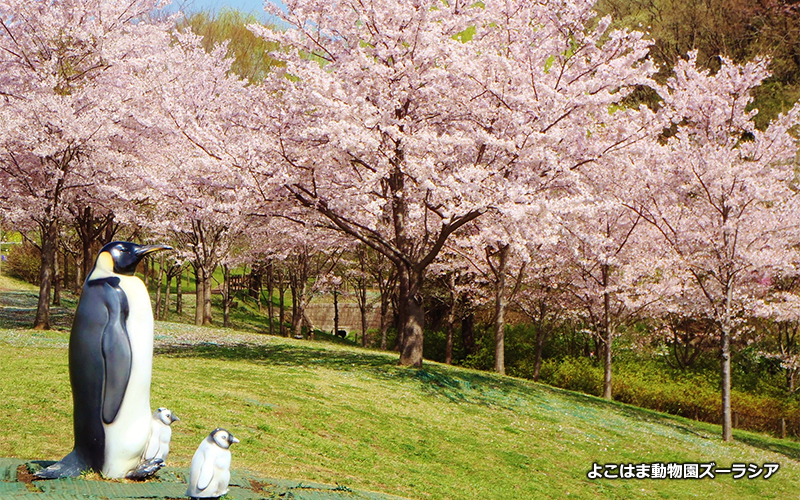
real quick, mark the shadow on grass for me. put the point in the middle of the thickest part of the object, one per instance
(790, 449)
(465, 387)
(686, 426)
(279, 354)
(19, 311)
(457, 386)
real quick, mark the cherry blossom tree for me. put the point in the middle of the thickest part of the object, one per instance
(544, 296)
(400, 122)
(196, 142)
(718, 193)
(608, 254)
(782, 313)
(457, 275)
(63, 69)
(495, 250)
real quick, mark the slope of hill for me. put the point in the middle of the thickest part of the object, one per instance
(321, 412)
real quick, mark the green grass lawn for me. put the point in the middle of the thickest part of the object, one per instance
(317, 411)
(333, 414)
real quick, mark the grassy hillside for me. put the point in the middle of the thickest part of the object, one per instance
(332, 414)
(317, 411)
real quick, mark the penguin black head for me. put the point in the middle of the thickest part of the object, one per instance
(223, 438)
(122, 257)
(165, 416)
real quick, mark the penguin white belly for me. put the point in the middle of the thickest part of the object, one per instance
(158, 444)
(210, 473)
(126, 438)
(222, 475)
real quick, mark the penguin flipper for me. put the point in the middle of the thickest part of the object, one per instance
(116, 352)
(70, 466)
(206, 474)
(153, 448)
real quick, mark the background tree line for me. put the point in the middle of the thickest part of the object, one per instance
(486, 164)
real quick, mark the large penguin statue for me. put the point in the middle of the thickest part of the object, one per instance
(110, 367)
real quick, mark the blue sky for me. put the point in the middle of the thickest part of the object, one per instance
(247, 6)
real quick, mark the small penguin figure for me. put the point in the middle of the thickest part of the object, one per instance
(110, 368)
(211, 466)
(160, 434)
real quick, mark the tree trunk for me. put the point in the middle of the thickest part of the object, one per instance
(727, 424)
(254, 285)
(49, 231)
(413, 312)
(298, 284)
(79, 278)
(335, 312)
(56, 280)
(226, 296)
(109, 230)
(607, 362)
(295, 317)
(85, 231)
(384, 321)
(362, 306)
(270, 285)
(167, 290)
(608, 334)
(468, 333)
(179, 292)
(386, 300)
(500, 310)
(261, 302)
(451, 319)
(66, 270)
(281, 304)
(400, 310)
(159, 282)
(207, 319)
(541, 336)
(200, 281)
(298, 313)
(147, 273)
(537, 362)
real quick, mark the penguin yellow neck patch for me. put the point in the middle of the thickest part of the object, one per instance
(104, 266)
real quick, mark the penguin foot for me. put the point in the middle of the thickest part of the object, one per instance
(145, 469)
(69, 466)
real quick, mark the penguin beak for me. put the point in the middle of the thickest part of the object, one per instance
(143, 250)
(232, 439)
(174, 418)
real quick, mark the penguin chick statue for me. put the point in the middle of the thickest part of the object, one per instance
(160, 434)
(211, 466)
(110, 367)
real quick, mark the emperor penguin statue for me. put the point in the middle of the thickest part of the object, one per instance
(110, 368)
(160, 434)
(211, 466)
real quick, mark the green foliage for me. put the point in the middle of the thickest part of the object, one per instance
(738, 29)
(483, 358)
(548, 63)
(229, 25)
(650, 384)
(759, 398)
(574, 374)
(466, 35)
(24, 262)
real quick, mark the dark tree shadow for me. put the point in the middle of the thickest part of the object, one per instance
(19, 311)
